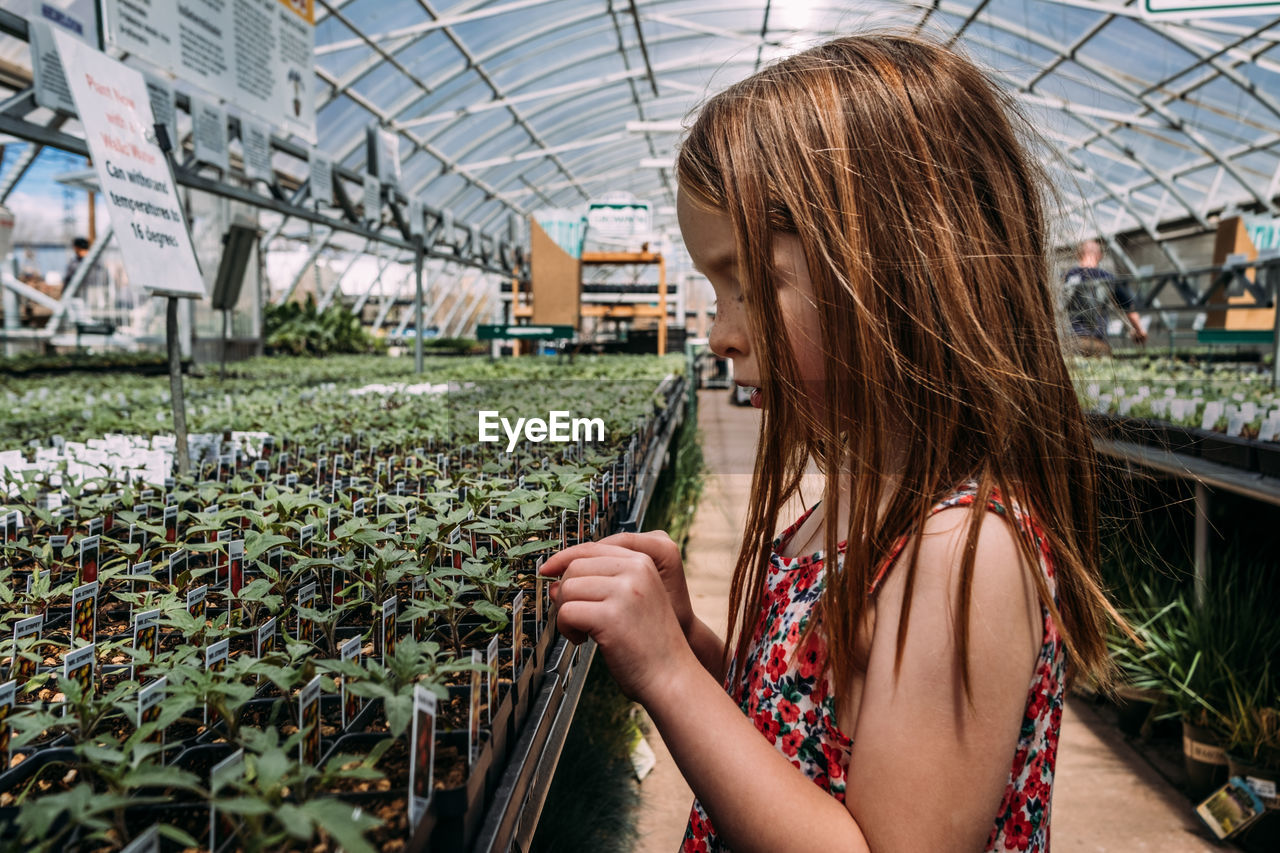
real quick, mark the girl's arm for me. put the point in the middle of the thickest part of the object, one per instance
(756, 798)
(929, 765)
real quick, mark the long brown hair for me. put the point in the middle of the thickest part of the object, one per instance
(896, 164)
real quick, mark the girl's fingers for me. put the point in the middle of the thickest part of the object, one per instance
(578, 620)
(581, 588)
(557, 563)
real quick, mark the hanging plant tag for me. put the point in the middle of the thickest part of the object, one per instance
(491, 675)
(24, 667)
(78, 666)
(337, 585)
(517, 634)
(305, 535)
(261, 469)
(89, 559)
(351, 703)
(539, 594)
(171, 524)
(309, 723)
(473, 710)
(150, 701)
(146, 638)
(33, 581)
(84, 610)
(177, 564)
(196, 604)
(388, 629)
(8, 691)
(422, 758)
(215, 655)
(307, 599)
(225, 772)
(235, 576)
(266, 637)
(419, 592)
(95, 527)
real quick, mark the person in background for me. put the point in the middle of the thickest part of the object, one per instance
(1089, 290)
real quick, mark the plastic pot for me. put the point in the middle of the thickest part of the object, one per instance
(1205, 760)
(1268, 458)
(1263, 835)
(1133, 706)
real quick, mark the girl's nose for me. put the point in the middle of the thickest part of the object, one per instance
(728, 338)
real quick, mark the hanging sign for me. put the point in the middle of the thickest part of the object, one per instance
(321, 178)
(257, 150)
(48, 76)
(162, 104)
(1184, 9)
(136, 182)
(209, 131)
(256, 54)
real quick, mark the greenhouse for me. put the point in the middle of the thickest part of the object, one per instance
(428, 427)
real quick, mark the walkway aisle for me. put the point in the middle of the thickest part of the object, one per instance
(1106, 797)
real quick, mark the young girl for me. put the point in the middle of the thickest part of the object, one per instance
(894, 675)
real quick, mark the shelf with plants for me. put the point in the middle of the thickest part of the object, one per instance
(1199, 686)
(243, 657)
(1227, 414)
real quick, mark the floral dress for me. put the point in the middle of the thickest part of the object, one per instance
(785, 690)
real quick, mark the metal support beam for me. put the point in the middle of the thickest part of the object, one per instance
(417, 305)
(71, 288)
(1201, 545)
(383, 312)
(26, 291)
(463, 298)
(364, 297)
(333, 289)
(302, 270)
(21, 165)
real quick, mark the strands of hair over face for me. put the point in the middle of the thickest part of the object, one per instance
(896, 164)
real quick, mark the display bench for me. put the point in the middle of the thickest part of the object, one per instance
(513, 815)
(1205, 475)
(288, 548)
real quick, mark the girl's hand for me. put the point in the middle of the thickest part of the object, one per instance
(616, 596)
(666, 558)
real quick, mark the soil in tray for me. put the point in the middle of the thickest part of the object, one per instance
(450, 771)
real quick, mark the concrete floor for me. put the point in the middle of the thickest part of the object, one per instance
(1106, 797)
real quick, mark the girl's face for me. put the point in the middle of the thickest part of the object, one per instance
(708, 235)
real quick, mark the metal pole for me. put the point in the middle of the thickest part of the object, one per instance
(417, 304)
(1202, 544)
(175, 384)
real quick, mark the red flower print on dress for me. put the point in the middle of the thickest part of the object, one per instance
(787, 683)
(777, 662)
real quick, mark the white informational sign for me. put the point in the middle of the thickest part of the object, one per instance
(256, 138)
(321, 178)
(46, 70)
(383, 154)
(136, 182)
(209, 130)
(162, 105)
(1263, 231)
(372, 200)
(619, 216)
(256, 54)
(416, 221)
(77, 17)
(6, 231)
(1184, 9)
